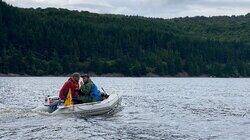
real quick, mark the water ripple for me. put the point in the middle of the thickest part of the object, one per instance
(152, 108)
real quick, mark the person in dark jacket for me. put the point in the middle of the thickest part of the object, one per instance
(89, 91)
(73, 84)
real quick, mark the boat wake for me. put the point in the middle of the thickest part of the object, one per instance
(17, 113)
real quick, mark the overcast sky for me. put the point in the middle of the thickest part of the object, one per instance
(148, 8)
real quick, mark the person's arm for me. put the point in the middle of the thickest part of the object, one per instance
(63, 92)
(85, 89)
(95, 93)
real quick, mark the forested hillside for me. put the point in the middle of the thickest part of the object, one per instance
(59, 41)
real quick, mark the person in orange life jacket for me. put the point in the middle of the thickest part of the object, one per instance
(73, 84)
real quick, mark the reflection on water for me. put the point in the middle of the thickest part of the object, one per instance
(152, 108)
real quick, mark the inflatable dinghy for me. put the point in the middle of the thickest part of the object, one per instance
(93, 108)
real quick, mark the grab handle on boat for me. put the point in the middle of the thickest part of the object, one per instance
(104, 90)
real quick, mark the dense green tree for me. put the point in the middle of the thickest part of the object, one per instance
(59, 41)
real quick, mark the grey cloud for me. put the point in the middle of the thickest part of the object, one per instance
(149, 8)
(94, 7)
(225, 3)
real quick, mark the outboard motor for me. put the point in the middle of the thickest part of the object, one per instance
(52, 103)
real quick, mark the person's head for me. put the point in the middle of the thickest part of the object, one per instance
(76, 76)
(85, 78)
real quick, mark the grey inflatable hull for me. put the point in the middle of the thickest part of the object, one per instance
(94, 108)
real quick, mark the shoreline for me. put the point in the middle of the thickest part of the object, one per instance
(115, 75)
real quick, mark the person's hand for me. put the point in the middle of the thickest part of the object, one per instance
(81, 83)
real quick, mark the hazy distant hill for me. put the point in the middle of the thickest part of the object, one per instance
(58, 41)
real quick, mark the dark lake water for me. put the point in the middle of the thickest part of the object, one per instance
(152, 108)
